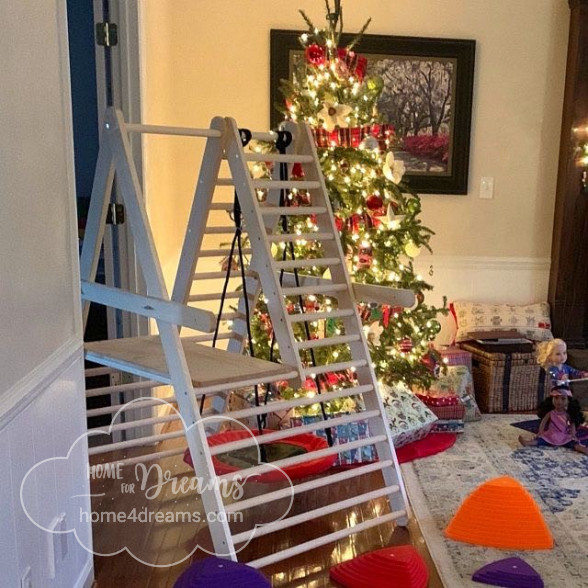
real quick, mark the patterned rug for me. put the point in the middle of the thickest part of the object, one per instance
(557, 479)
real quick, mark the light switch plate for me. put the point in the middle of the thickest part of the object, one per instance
(487, 187)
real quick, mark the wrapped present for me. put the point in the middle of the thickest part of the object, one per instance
(451, 355)
(409, 418)
(450, 412)
(456, 383)
(433, 400)
(341, 434)
(448, 426)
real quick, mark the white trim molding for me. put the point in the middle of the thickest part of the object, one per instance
(505, 280)
(26, 390)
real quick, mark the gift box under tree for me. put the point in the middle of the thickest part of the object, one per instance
(451, 356)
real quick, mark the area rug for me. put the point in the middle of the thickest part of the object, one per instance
(557, 479)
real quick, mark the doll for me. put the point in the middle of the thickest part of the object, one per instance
(552, 356)
(560, 415)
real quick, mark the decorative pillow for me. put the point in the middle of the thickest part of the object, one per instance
(409, 418)
(531, 321)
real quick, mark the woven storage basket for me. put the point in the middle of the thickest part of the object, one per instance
(509, 380)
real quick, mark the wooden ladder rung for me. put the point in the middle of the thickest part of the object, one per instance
(298, 459)
(327, 342)
(360, 470)
(316, 513)
(140, 442)
(292, 210)
(221, 252)
(228, 206)
(284, 185)
(224, 230)
(135, 405)
(308, 317)
(305, 263)
(234, 274)
(325, 539)
(290, 237)
(335, 367)
(278, 157)
(210, 336)
(232, 316)
(166, 130)
(322, 289)
(284, 405)
(217, 296)
(292, 432)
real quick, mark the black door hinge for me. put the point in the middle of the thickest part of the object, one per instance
(115, 214)
(106, 34)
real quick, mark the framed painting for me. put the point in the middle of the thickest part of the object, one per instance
(426, 98)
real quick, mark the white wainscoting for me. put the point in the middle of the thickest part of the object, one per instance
(49, 418)
(506, 280)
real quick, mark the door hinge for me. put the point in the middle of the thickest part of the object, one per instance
(115, 214)
(106, 34)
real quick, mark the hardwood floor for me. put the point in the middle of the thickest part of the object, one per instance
(163, 544)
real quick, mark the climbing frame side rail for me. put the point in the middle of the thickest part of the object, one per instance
(116, 155)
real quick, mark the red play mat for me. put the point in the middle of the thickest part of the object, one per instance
(303, 443)
(431, 444)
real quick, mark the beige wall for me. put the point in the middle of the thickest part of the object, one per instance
(207, 58)
(39, 308)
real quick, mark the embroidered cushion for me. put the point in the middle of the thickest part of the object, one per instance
(531, 321)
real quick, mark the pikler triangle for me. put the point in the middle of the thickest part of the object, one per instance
(194, 369)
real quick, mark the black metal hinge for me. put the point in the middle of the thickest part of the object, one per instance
(106, 34)
(115, 214)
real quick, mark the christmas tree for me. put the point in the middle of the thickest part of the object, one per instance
(376, 212)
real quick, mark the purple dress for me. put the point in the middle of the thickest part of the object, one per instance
(558, 430)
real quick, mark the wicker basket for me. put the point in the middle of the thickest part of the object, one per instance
(509, 380)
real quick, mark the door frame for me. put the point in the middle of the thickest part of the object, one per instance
(126, 67)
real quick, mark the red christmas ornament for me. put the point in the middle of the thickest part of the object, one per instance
(356, 221)
(374, 202)
(365, 257)
(354, 63)
(405, 345)
(315, 55)
(297, 171)
(385, 315)
(339, 223)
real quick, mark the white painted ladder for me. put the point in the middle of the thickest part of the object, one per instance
(193, 369)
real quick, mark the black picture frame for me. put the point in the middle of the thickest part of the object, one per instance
(285, 46)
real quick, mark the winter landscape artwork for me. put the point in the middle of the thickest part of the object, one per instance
(426, 99)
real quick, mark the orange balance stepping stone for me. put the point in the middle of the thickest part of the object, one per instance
(400, 566)
(500, 513)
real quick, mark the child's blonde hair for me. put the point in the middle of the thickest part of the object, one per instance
(544, 350)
